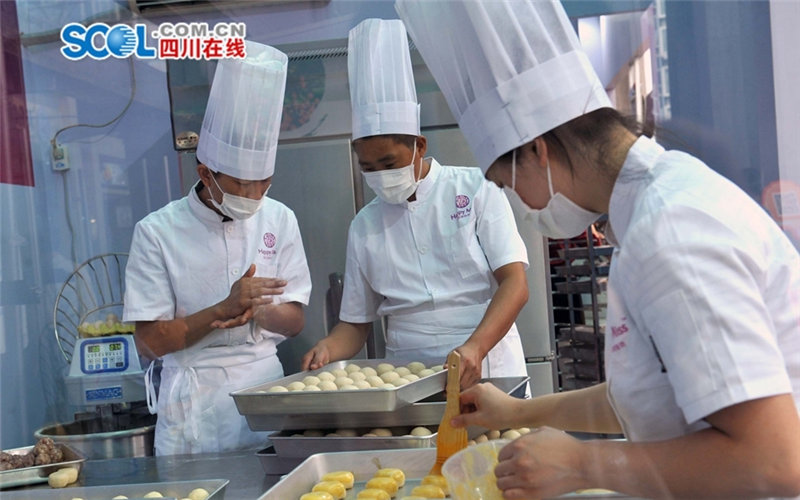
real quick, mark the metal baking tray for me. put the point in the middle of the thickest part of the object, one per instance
(415, 463)
(429, 411)
(255, 401)
(39, 473)
(170, 489)
(287, 444)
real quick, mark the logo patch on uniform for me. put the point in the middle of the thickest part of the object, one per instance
(269, 240)
(462, 200)
(462, 204)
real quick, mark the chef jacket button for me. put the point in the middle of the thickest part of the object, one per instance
(423, 249)
(229, 229)
(235, 272)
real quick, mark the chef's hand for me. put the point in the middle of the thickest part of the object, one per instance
(487, 406)
(542, 464)
(317, 357)
(247, 293)
(471, 360)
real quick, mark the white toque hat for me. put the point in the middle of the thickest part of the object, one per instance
(510, 70)
(382, 93)
(240, 129)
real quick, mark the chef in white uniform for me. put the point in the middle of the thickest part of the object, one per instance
(216, 280)
(703, 323)
(437, 253)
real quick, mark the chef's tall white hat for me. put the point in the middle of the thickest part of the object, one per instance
(510, 70)
(382, 93)
(240, 129)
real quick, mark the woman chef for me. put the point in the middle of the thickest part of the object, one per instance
(702, 346)
(217, 279)
(437, 252)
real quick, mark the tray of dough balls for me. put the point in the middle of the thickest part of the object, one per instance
(201, 489)
(344, 387)
(34, 464)
(361, 475)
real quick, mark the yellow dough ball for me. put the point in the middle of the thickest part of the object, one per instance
(425, 372)
(510, 434)
(399, 382)
(524, 430)
(317, 495)
(387, 386)
(386, 484)
(421, 431)
(120, 497)
(198, 494)
(362, 384)
(373, 494)
(339, 372)
(375, 381)
(494, 434)
(328, 385)
(402, 371)
(349, 387)
(62, 477)
(312, 388)
(390, 376)
(411, 377)
(296, 386)
(356, 376)
(277, 388)
(343, 476)
(437, 368)
(382, 432)
(369, 371)
(312, 380)
(340, 381)
(326, 376)
(436, 480)
(384, 367)
(428, 491)
(415, 366)
(347, 433)
(335, 488)
(413, 498)
(481, 439)
(153, 494)
(352, 367)
(397, 475)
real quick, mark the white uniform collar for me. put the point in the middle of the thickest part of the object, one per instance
(201, 210)
(634, 174)
(426, 184)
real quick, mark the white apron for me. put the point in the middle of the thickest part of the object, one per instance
(429, 336)
(196, 413)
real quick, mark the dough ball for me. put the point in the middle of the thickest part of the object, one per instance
(421, 431)
(524, 430)
(373, 494)
(347, 432)
(328, 385)
(481, 439)
(153, 494)
(335, 488)
(296, 386)
(369, 371)
(370, 435)
(362, 384)
(494, 434)
(399, 382)
(317, 495)
(471, 442)
(277, 388)
(198, 494)
(313, 433)
(385, 367)
(339, 372)
(437, 368)
(356, 376)
(352, 367)
(326, 376)
(436, 480)
(342, 381)
(62, 477)
(387, 386)
(390, 376)
(312, 388)
(402, 371)
(510, 434)
(411, 377)
(425, 372)
(348, 387)
(312, 380)
(415, 366)
(386, 484)
(343, 476)
(120, 497)
(397, 475)
(375, 381)
(382, 432)
(428, 491)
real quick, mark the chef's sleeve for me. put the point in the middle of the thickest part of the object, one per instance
(148, 291)
(497, 229)
(293, 266)
(359, 301)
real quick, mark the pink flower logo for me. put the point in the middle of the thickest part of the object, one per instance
(269, 240)
(462, 201)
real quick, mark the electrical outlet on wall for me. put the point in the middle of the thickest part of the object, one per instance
(60, 158)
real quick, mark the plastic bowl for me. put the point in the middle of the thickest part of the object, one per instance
(470, 472)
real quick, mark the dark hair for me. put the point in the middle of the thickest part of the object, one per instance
(402, 139)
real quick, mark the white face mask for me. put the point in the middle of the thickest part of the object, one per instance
(394, 185)
(237, 207)
(561, 218)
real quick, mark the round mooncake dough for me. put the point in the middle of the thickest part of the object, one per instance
(349, 387)
(402, 371)
(326, 376)
(312, 380)
(317, 495)
(362, 384)
(436, 368)
(373, 494)
(415, 366)
(425, 372)
(335, 488)
(493, 434)
(436, 480)
(328, 385)
(524, 430)
(396, 474)
(352, 367)
(400, 381)
(481, 439)
(387, 386)
(347, 433)
(387, 484)
(369, 371)
(154, 494)
(428, 491)
(312, 388)
(356, 376)
(375, 381)
(381, 431)
(421, 431)
(296, 386)
(343, 476)
(510, 434)
(385, 367)
(390, 376)
(120, 497)
(339, 372)
(340, 381)
(277, 388)
(411, 377)
(198, 494)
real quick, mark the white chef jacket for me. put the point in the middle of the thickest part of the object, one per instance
(427, 265)
(703, 297)
(184, 258)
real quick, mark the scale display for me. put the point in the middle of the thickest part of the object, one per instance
(104, 355)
